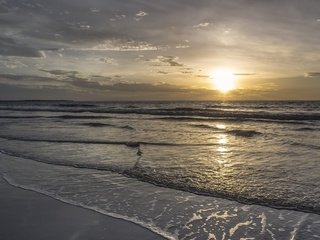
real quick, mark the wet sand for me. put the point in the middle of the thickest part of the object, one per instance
(29, 215)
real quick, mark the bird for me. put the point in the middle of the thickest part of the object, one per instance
(139, 153)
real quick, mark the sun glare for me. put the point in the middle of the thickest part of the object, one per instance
(224, 79)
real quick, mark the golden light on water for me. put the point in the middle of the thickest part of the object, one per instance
(223, 148)
(221, 126)
(222, 140)
(224, 79)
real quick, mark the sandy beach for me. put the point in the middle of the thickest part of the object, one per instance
(30, 215)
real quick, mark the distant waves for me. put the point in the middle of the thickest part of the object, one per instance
(178, 112)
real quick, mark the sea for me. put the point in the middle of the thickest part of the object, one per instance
(185, 170)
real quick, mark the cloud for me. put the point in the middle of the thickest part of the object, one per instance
(108, 60)
(86, 84)
(74, 88)
(9, 47)
(20, 92)
(146, 87)
(245, 74)
(123, 46)
(202, 76)
(171, 61)
(186, 72)
(118, 17)
(201, 25)
(162, 72)
(74, 84)
(312, 74)
(94, 10)
(125, 87)
(66, 79)
(76, 33)
(140, 15)
(30, 81)
(76, 78)
(60, 72)
(179, 46)
(12, 63)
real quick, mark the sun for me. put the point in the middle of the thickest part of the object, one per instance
(224, 79)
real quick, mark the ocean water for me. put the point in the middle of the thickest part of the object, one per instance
(186, 170)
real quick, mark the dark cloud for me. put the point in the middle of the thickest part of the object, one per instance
(122, 45)
(61, 72)
(95, 83)
(31, 82)
(9, 47)
(245, 74)
(22, 78)
(203, 76)
(126, 87)
(312, 74)
(108, 60)
(162, 72)
(92, 83)
(23, 92)
(146, 87)
(85, 84)
(77, 89)
(170, 60)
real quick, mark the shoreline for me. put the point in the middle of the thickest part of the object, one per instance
(26, 214)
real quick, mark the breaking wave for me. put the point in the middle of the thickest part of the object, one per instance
(97, 125)
(126, 143)
(179, 112)
(150, 175)
(244, 133)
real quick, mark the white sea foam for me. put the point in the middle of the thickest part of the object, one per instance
(96, 209)
(158, 209)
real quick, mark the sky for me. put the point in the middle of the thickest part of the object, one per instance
(159, 49)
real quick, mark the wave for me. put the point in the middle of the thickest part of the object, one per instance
(126, 127)
(80, 117)
(205, 126)
(244, 133)
(317, 147)
(75, 105)
(235, 132)
(227, 119)
(243, 115)
(18, 117)
(125, 143)
(61, 117)
(97, 125)
(94, 166)
(150, 175)
(307, 129)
